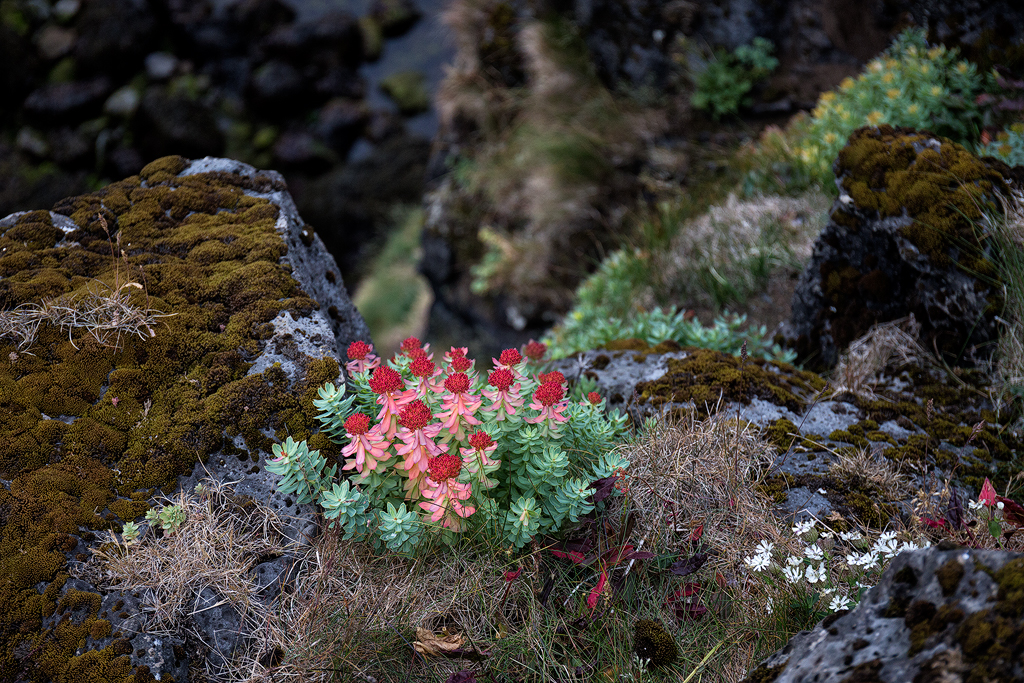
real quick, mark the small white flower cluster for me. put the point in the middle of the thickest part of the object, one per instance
(886, 547)
(810, 569)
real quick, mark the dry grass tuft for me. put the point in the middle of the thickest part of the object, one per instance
(1009, 229)
(216, 547)
(106, 312)
(703, 472)
(350, 602)
(885, 343)
(877, 471)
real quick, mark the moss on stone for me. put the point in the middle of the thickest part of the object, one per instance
(936, 182)
(705, 376)
(78, 460)
(782, 434)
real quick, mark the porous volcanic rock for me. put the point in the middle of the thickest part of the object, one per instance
(905, 237)
(939, 614)
(813, 427)
(91, 434)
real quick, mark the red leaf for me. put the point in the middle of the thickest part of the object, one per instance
(511, 576)
(697, 533)
(689, 565)
(595, 593)
(988, 494)
(720, 580)
(940, 524)
(572, 556)
(1012, 512)
(693, 611)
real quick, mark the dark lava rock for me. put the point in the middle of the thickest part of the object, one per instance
(987, 31)
(339, 123)
(300, 149)
(938, 614)
(179, 122)
(68, 99)
(276, 81)
(902, 239)
(337, 32)
(113, 35)
(394, 17)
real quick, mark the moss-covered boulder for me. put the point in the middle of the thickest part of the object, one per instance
(938, 614)
(99, 414)
(906, 236)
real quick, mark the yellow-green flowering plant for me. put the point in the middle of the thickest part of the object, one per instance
(911, 84)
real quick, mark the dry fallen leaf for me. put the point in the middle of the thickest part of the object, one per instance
(428, 644)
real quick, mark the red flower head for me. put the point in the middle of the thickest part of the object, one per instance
(457, 383)
(385, 380)
(480, 440)
(358, 350)
(357, 424)
(410, 345)
(414, 416)
(535, 350)
(510, 357)
(417, 353)
(422, 367)
(553, 376)
(444, 467)
(594, 397)
(549, 394)
(501, 379)
(458, 351)
(461, 364)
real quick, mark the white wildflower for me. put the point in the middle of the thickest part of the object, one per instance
(769, 605)
(793, 560)
(975, 504)
(813, 552)
(839, 603)
(801, 528)
(886, 546)
(815, 575)
(758, 562)
(793, 574)
(851, 536)
(765, 548)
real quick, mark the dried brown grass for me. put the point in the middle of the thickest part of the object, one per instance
(882, 346)
(216, 547)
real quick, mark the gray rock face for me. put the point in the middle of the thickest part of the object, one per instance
(936, 615)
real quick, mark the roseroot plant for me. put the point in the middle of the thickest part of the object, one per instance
(169, 518)
(443, 448)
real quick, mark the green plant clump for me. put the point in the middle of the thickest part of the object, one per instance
(722, 86)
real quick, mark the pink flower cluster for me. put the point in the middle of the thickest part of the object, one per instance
(427, 427)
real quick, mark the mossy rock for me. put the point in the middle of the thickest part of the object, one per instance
(90, 431)
(906, 236)
(704, 377)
